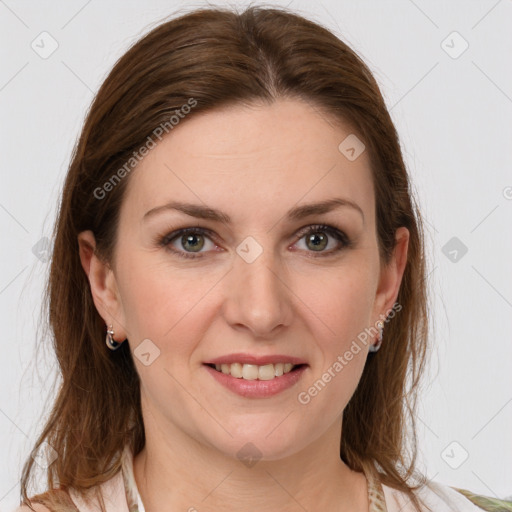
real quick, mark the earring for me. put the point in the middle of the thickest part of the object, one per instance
(376, 346)
(109, 340)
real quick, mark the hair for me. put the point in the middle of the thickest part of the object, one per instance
(217, 57)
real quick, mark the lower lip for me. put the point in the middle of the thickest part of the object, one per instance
(257, 388)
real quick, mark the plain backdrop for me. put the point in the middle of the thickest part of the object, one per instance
(444, 70)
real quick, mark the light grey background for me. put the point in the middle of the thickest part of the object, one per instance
(453, 113)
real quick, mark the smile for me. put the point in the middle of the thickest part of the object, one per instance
(246, 379)
(253, 371)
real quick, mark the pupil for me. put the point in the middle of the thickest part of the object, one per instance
(195, 243)
(319, 241)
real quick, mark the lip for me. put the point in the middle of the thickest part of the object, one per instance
(244, 358)
(257, 388)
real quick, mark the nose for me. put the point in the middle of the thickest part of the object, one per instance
(257, 297)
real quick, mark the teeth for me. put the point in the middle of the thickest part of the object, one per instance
(253, 371)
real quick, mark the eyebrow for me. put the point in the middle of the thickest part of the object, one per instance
(297, 213)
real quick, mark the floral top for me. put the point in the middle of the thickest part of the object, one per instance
(120, 494)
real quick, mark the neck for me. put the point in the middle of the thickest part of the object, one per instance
(183, 474)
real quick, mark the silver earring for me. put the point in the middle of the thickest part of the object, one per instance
(109, 340)
(376, 346)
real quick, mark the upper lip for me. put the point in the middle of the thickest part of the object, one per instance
(244, 358)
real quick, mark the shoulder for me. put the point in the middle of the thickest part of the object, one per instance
(439, 497)
(50, 501)
(113, 492)
(36, 506)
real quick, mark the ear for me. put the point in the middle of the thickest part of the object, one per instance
(103, 284)
(391, 276)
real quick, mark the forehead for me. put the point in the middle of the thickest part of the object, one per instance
(245, 158)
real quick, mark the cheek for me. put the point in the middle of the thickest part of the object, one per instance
(162, 303)
(342, 302)
(343, 356)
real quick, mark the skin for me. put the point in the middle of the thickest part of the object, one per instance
(253, 163)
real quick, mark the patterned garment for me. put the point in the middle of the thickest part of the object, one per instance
(486, 502)
(376, 497)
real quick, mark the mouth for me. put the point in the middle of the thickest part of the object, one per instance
(256, 381)
(256, 372)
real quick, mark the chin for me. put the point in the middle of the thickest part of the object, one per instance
(260, 446)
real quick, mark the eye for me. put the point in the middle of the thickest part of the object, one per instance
(318, 238)
(188, 241)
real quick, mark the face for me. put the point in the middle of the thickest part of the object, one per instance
(257, 275)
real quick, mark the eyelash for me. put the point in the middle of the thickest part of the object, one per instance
(166, 240)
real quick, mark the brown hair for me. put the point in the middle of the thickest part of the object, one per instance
(219, 57)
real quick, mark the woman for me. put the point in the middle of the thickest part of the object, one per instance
(237, 288)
